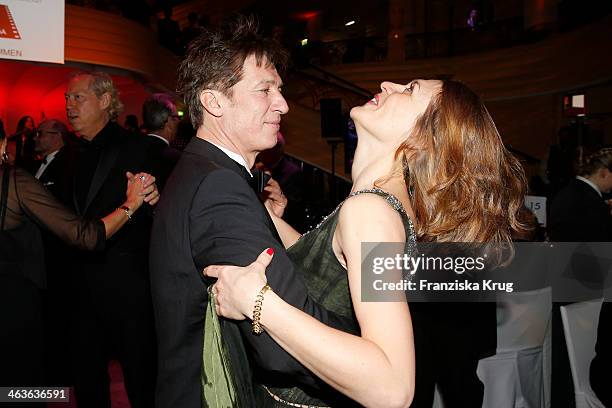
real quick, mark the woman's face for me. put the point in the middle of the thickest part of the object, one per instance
(29, 123)
(392, 113)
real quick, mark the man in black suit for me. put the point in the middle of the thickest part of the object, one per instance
(210, 215)
(57, 296)
(161, 120)
(578, 214)
(113, 310)
(49, 144)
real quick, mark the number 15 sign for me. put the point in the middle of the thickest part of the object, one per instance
(537, 205)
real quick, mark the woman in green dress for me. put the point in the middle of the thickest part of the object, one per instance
(434, 136)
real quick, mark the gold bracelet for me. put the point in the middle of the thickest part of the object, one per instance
(257, 329)
(128, 212)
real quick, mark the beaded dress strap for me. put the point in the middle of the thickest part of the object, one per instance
(397, 205)
(391, 199)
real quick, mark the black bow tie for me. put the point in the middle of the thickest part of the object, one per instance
(258, 180)
(44, 160)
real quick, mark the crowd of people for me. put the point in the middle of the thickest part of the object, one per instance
(210, 278)
(146, 12)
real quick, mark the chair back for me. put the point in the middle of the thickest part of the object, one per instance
(580, 321)
(523, 319)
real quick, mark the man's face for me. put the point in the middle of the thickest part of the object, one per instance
(251, 117)
(46, 139)
(85, 111)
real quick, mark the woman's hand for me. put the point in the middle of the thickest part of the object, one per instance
(237, 286)
(140, 188)
(274, 199)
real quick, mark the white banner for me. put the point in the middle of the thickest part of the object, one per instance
(32, 30)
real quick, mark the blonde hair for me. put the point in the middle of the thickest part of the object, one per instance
(102, 83)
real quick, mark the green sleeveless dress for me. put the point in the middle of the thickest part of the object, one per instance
(327, 282)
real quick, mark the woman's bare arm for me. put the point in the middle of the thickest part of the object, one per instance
(376, 369)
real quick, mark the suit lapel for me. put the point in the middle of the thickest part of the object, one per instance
(213, 153)
(202, 147)
(107, 161)
(51, 168)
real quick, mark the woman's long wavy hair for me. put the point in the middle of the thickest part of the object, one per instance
(465, 185)
(22, 122)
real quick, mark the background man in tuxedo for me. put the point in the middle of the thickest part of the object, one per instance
(210, 215)
(579, 214)
(161, 120)
(113, 311)
(49, 143)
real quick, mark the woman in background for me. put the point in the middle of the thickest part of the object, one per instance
(23, 140)
(24, 205)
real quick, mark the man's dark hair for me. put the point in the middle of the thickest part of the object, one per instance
(131, 122)
(156, 110)
(58, 126)
(215, 61)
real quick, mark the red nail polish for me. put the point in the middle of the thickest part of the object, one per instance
(270, 251)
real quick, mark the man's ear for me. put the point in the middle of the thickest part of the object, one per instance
(211, 101)
(602, 172)
(105, 100)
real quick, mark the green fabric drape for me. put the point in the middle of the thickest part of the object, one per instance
(218, 388)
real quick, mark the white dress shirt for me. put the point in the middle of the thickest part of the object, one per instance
(590, 183)
(234, 156)
(159, 137)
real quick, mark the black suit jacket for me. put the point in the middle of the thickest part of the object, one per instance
(124, 261)
(54, 176)
(579, 214)
(163, 158)
(207, 215)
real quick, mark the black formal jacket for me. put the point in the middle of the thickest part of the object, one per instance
(123, 265)
(207, 215)
(163, 157)
(53, 178)
(579, 214)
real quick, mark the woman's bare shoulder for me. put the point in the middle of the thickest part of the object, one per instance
(370, 217)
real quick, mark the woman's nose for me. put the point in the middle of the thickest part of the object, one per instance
(390, 87)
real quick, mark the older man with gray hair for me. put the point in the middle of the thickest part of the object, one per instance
(113, 310)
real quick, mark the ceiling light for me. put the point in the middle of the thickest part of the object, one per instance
(350, 23)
